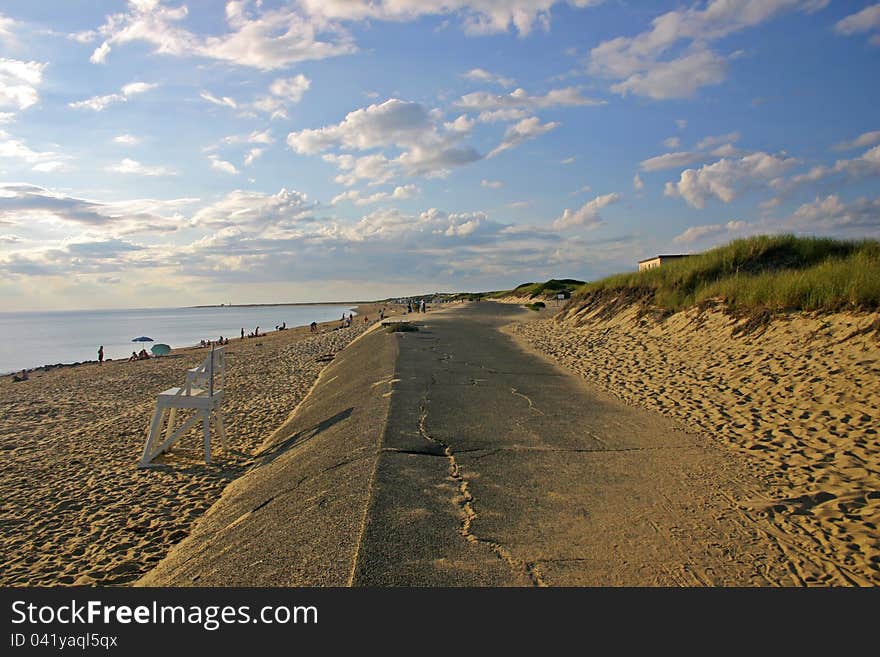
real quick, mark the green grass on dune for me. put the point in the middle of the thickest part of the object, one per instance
(549, 288)
(780, 272)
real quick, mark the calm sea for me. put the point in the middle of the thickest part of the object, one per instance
(33, 339)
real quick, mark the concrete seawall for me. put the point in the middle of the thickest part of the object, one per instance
(297, 517)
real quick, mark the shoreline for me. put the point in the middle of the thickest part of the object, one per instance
(47, 367)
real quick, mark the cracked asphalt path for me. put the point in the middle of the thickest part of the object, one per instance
(454, 456)
(499, 468)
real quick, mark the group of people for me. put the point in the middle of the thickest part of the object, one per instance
(416, 306)
(142, 355)
(256, 332)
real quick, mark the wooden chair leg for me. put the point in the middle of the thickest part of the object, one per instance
(206, 426)
(155, 429)
(221, 429)
(172, 414)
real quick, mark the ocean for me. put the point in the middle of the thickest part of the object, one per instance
(33, 339)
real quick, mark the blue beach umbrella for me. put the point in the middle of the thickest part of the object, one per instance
(143, 338)
(160, 349)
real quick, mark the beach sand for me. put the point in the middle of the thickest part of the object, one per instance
(799, 396)
(74, 507)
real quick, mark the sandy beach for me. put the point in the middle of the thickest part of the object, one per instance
(799, 397)
(75, 508)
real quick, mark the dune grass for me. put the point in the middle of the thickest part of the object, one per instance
(549, 288)
(780, 272)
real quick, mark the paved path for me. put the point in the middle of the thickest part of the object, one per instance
(453, 456)
(498, 468)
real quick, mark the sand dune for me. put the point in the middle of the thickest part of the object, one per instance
(76, 510)
(800, 397)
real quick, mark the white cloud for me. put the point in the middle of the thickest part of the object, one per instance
(255, 137)
(129, 166)
(99, 56)
(272, 39)
(681, 123)
(491, 184)
(637, 62)
(710, 142)
(479, 17)
(520, 132)
(678, 78)
(283, 92)
(672, 142)
(637, 183)
(403, 125)
(482, 75)
(462, 125)
(723, 179)
(863, 140)
(587, 215)
(223, 101)
(866, 164)
(127, 140)
(581, 190)
(252, 155)
(670, 161)
(99, 103)
(710, 232)
(866, 20)
(568, 160)
(18, 83)
(222, 165)
(508, 114)
(831, 214)
(15, 149)
(254, 210)
(398, 194)
(520, 99)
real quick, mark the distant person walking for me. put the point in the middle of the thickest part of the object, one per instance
(101, 355)
(242, 334)
(314, 327)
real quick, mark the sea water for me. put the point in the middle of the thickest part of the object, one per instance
(33, 339)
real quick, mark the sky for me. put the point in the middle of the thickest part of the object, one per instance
(168, 153)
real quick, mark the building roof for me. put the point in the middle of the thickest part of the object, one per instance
(675, 255)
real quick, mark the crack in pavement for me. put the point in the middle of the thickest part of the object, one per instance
(532, 407)
(466, 501)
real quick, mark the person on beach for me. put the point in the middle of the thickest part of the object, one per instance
(242, 334)
(101, 355)
(20, 377)
(143, 355)
(314, 327)
(133, 356)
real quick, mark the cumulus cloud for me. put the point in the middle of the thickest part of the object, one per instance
(638, 65)
(408, 127)
(482, 75)
(522, 131)
(283, 92)
(866, 164)
(491, 184)
(18, 83)
(568, 160)
(256, 211)
(637, 183)
(133, 167)
(866, 20)
(99, 103)
(267, 40)
(587, 215)
(672, 142)
(726, 177)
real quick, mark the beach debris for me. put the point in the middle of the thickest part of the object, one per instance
(325, 358)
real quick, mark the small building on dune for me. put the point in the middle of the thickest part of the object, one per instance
(659, 260)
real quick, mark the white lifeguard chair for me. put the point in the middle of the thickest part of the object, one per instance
(203, 393)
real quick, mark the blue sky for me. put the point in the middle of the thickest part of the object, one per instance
(168, 153)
